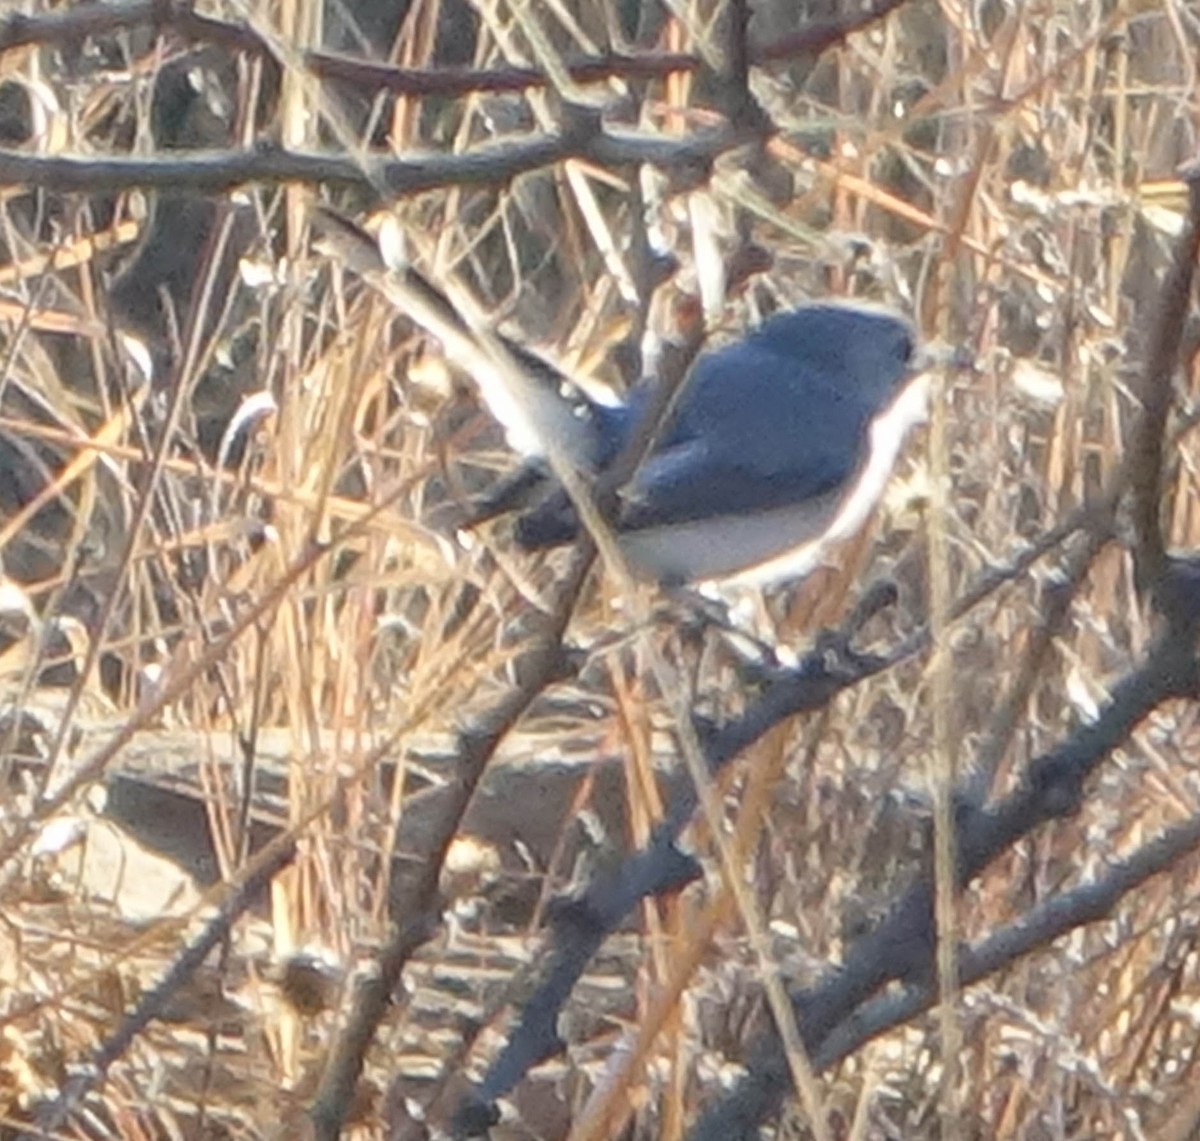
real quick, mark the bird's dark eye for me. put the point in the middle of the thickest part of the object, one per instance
(906, 348)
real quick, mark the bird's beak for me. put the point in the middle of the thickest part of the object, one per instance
(942, 357)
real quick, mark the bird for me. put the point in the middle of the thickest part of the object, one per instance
(777, 442)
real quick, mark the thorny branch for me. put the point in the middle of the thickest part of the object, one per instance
(71, 25)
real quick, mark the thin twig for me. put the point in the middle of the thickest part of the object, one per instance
(1157, 394)
(266, 867)
(541, 664)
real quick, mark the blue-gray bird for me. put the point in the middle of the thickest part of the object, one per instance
(770, 444)
(777, 443)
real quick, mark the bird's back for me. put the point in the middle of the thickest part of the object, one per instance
(775, 420)
(797, 368)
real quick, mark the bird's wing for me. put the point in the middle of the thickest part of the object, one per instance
(689, 483)
(756, 430)
(694, 481)
(762, 424)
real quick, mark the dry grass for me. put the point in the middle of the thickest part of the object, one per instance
(988, 171)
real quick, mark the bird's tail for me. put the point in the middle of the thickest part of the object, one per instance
(543, 413)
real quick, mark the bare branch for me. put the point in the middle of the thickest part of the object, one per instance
(1050, 920)
(901, 946)
(494, 163)
(542, 663)
(582, 924)
(1157, 393)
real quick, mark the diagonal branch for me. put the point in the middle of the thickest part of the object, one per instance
(1049, 920)
(900, 948)
(267, 865)
(582, 924)
(419, 907)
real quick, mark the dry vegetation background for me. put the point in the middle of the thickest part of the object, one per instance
(242, 570)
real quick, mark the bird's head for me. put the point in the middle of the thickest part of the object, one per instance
(872, 350)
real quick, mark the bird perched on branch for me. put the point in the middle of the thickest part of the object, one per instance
(776, 442)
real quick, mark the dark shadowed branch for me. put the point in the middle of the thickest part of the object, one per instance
(1037, 929)
(580, 925)
(1157, 394)
(70, 26)
(901, 947)
(419, 909)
